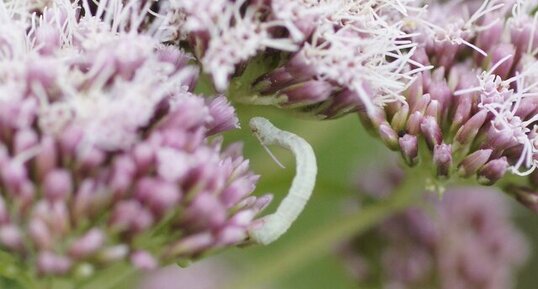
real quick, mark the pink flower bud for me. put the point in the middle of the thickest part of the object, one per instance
(11, 237)
(87, 244)
(51, 264)
(498, 53)
(493, 171)
(25, 140)
(388, 136)
(143, 260)
(308, 92)
(223, 116)
(57, 185)
(431, 131)
(40, 234)
(442, 159)
(409, 149)
(470, 165)
(414, 123)
(468, 131)
(47, 158)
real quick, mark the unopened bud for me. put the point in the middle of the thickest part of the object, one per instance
(409, 149)
(442, 159)
(493, 171)
(470, 165)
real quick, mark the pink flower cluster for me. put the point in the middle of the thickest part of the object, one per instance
(464, 240)
(105, 153)
(476, 109)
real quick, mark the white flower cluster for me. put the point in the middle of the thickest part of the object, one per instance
(506, 105)
(361, 45)
(519, 91)
(231, 35)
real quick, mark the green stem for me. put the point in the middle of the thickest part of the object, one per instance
(320, 242)
(11, 269)
(117, 276)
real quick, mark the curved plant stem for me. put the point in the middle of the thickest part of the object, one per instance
(320, 242)
(119, 276)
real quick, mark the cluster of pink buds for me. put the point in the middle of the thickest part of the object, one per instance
(105, 153)
(464, 240)
(475, 111)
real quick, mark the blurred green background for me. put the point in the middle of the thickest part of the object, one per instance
(341, 146)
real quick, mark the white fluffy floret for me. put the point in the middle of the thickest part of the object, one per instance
(504, 103)
(234, 36)
(363, 46)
